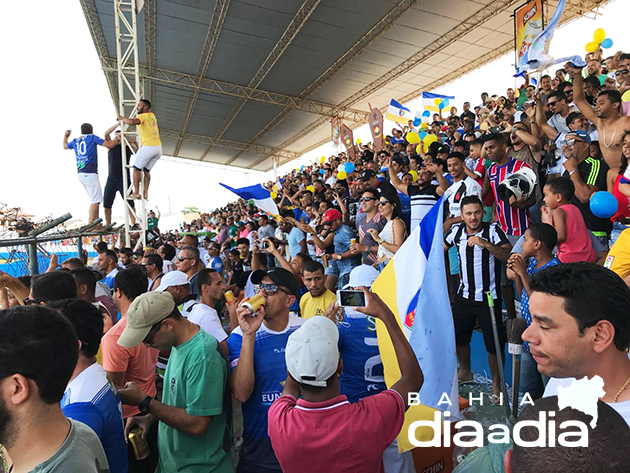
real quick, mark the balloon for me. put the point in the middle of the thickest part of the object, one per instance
(358, 141)
(426, 113)
(437, 102)
(341, 168)
(341, 175)
(322, 172)
(418, 114)
(429, 139)
(441, 106)
(417, 121)
(426, 148)
(412, 137)
(322, 159)
(425, 120)
(592, 47)
(603, 204)
(414, 174)
(349, 168)
(423, 135)
(419, 147)
(273, 195)
(310, 188)
(607, 43)
(446, 102)
(599, 36)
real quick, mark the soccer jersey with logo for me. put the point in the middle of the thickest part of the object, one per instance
(460, 189)
(85, 150)
(513, 221)
(270, 370)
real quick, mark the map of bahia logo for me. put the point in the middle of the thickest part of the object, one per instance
(581, 395)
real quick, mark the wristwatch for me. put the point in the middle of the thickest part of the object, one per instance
(338, 257)
(144, 405)
(379, 241)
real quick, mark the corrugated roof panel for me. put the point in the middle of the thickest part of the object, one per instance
(209, 113)
(252, 118)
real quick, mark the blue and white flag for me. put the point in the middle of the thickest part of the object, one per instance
(261, 197)
(398, 113)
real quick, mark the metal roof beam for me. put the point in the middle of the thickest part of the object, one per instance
(221, 143)
(150, 32)
(216, 24)
(469, 24)
(366, 40)
(298, 21)
(179, 79)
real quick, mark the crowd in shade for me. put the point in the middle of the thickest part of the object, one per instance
(224, 347)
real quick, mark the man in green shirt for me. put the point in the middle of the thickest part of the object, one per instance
(193, 433)
(152, 221)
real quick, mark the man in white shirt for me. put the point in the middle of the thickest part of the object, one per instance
(580, 327)
(211, 289)
(463, 186)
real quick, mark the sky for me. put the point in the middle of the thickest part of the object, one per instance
(53, 82)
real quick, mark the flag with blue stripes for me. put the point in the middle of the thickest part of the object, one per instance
(261, 197)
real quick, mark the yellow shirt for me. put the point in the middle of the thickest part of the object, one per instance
(618, 259)
(148, 129)
(310, 306)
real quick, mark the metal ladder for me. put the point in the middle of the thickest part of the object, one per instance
(129, 93)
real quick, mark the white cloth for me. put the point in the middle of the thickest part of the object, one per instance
(92, 186)
(208, 319)
(147, 156)
(387, 234)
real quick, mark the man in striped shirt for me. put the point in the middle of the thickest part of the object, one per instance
(481, 247)
(513, 216)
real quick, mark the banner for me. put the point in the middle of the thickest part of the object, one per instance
(335, 124)
(375, 120)
(347, 139)
(528, 23)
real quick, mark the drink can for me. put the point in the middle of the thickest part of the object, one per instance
(353, 241)
(138, 444)
(254, 303)
(325, 260)
(229, 297)
(303, 220)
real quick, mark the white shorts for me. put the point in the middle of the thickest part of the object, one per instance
(147, 156)
(92, 185)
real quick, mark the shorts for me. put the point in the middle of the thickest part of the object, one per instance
(513, 239)
(147, 156)
(92, 186)
(466, 313)
(332, 269)
(112, 186)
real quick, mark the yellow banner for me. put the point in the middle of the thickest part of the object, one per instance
(528, 25)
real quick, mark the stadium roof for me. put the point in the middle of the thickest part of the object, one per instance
(235, 82)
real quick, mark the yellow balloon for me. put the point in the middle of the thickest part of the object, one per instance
(273, 195)
(358, 141)
(310, 188)
(599, 36)
(429, 139)
(322, 159)
(413, 137)
(414, 174)
(592, 47)
(425, 147)
(418, 148)
(437, 101)
(341, 175)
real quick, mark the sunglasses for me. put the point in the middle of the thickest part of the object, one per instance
(383, 202)
(622, 72)
(552, 104)
(367, 199)
(182, 258)
(572, 141)
(270, 289)
(29, 301)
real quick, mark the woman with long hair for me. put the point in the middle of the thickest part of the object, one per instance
(621, 219)
(393, 233)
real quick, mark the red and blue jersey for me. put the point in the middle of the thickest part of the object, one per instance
(513, 221)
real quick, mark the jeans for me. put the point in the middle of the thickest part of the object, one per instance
(618, 227)
(531, 380)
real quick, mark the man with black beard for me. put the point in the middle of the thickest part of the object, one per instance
(39, 351)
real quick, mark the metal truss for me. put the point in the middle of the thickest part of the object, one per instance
(150, 34)
(366, 40)
(298, 21)
(129, 93)
(216, 24)
(222, 143)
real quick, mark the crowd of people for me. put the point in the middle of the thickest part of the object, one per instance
(246, 315)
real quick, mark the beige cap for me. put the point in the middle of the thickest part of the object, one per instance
(145, 311)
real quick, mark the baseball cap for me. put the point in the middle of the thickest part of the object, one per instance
(367, 175)
(363, 275)
(398, 159)
(172, 278)
(240, 224)
(145, 311)
(572, 116)
(444, 149)
(333, 214)
(279, 276)
(311, 353)
(580, 134)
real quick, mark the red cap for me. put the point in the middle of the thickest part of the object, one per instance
(331, 215)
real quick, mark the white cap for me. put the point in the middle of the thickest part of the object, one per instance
(172, 278)
(312, 354)
(363, 275)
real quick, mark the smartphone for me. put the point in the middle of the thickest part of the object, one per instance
(351, 298)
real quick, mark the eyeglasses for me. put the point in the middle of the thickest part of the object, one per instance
(367, 199)
(29, 301)
(182, 258)
(270, 289)
(383, 202)
(154, 329)
(622, 72)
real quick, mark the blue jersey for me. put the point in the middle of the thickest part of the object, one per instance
(270, 371)
(85, 150)
(217, 264)
(90, 398)
(362, 374)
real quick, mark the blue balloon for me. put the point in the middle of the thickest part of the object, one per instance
(417, 121)
(603, 204)
(441, 106)
(349, 167)
(322, 172)
(445, 102)
(426, 113)
(607, 43)
(423, 135)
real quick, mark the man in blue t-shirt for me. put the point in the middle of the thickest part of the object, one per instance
(90, 397)
(87, 163)
(257, 361)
